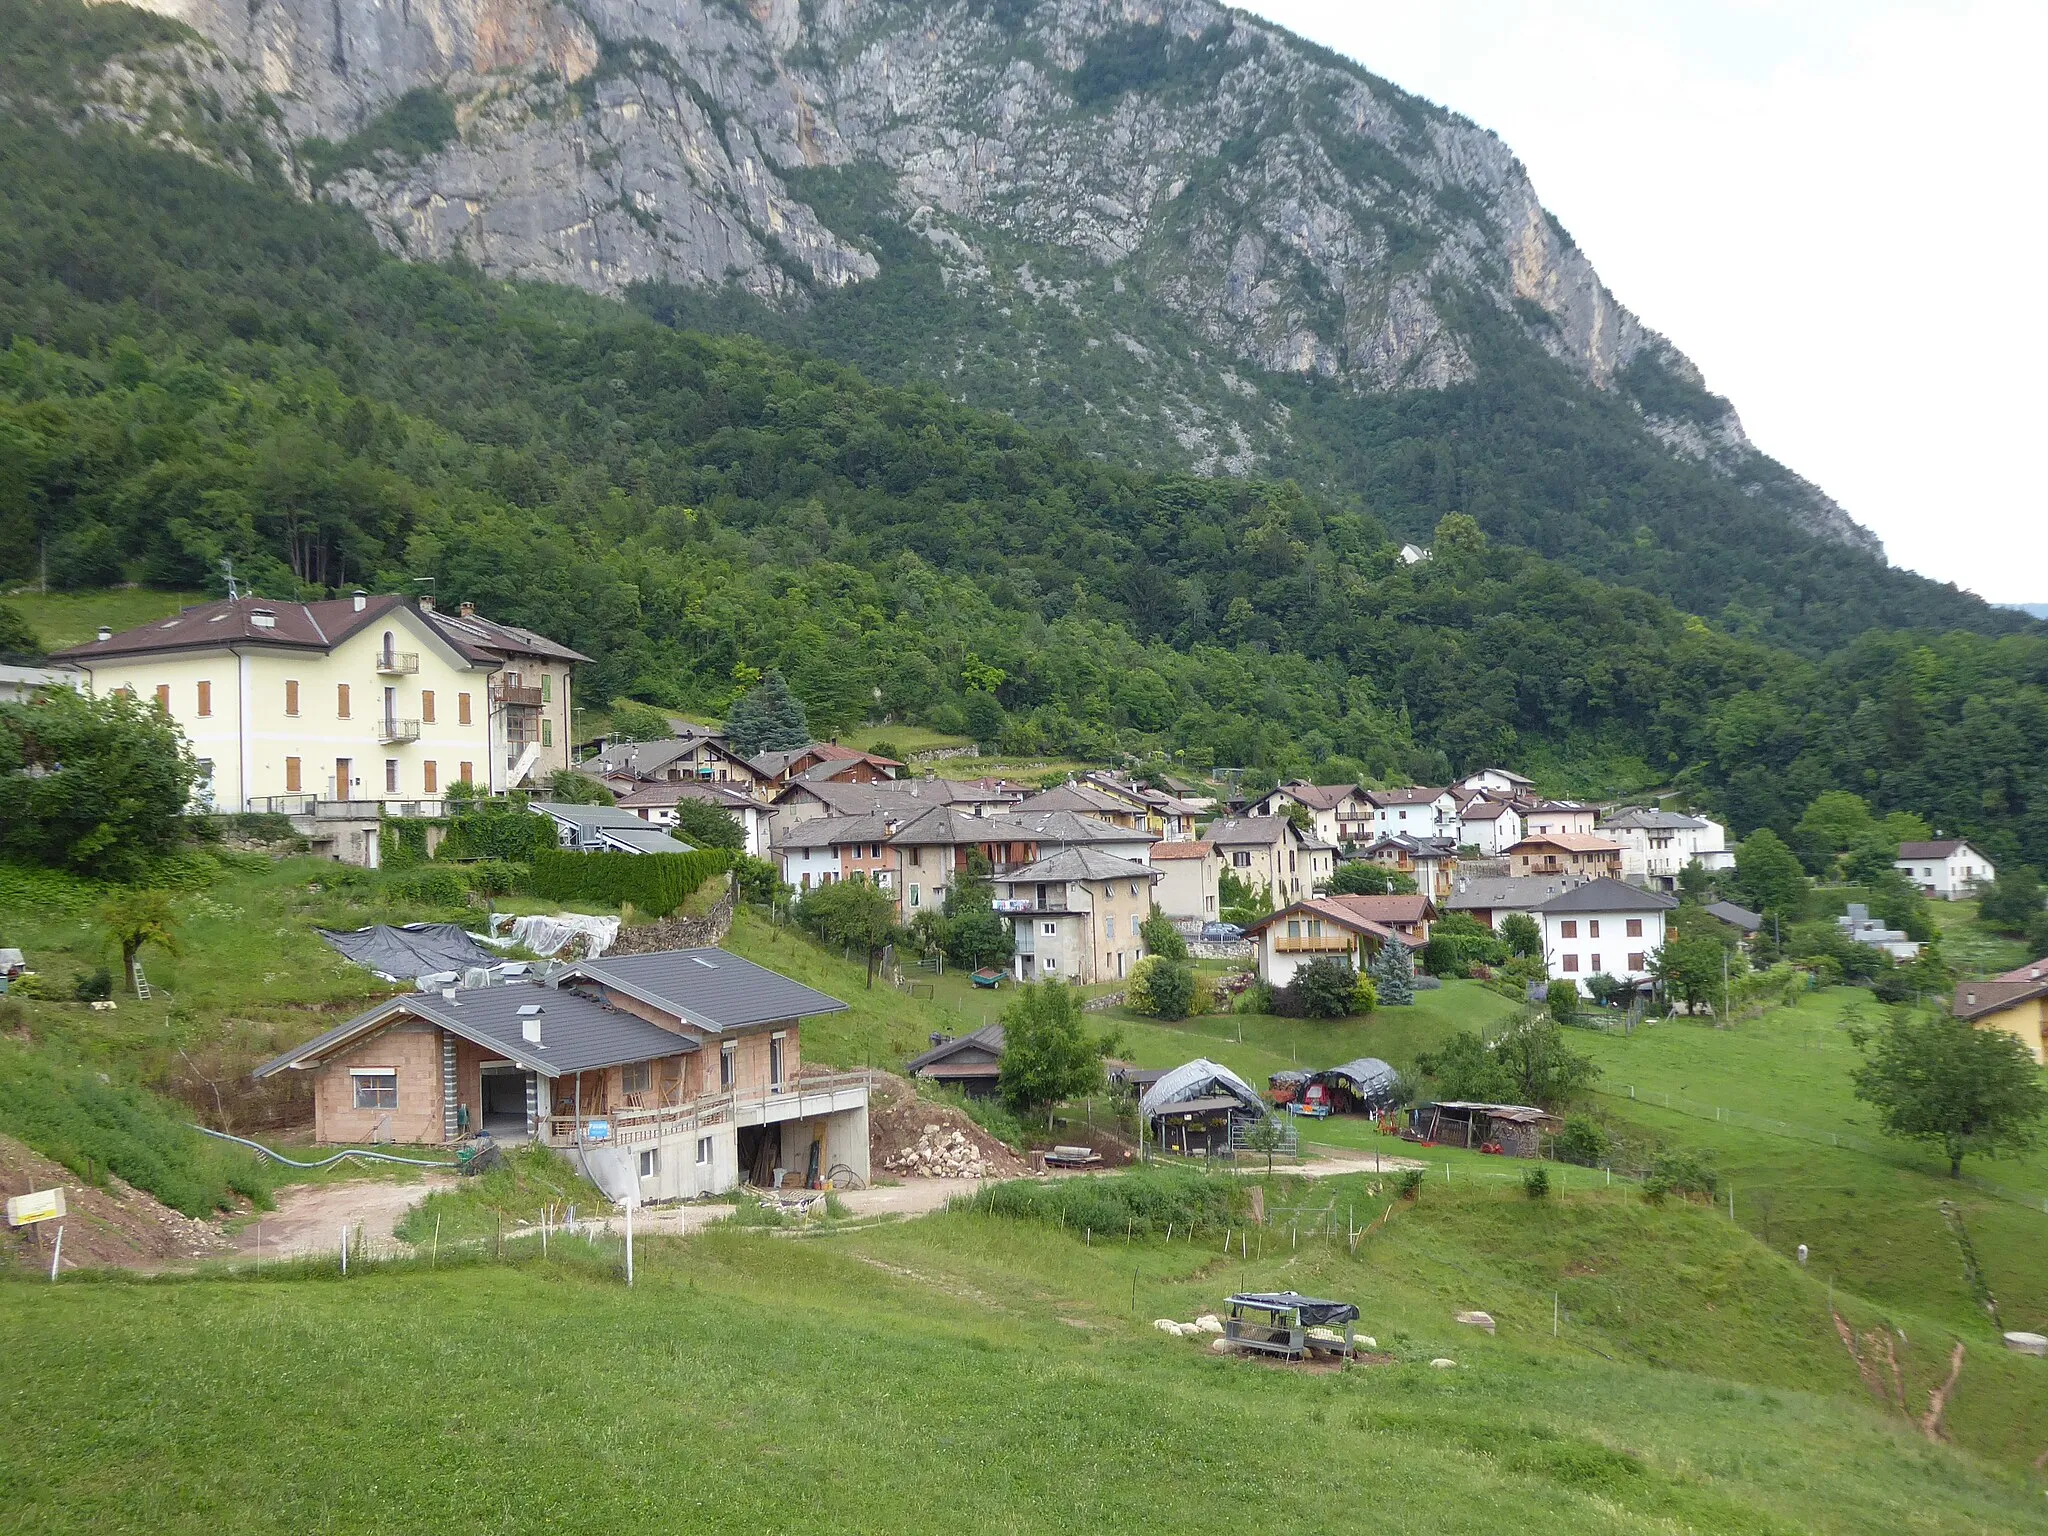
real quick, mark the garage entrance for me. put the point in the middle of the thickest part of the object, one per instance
(504, 1101)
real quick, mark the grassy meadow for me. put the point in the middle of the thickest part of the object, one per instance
(971, 1372)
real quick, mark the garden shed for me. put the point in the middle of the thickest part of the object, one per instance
(1516, 1129)
(1194, 1108)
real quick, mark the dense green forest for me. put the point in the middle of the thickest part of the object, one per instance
(196, 366)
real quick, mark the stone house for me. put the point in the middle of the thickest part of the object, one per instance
(1076, 915)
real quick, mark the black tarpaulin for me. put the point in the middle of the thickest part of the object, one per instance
(1314, 1313)
(408, 953)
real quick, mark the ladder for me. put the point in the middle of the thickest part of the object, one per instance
(141, 983)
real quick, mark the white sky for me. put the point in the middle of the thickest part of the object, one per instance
(1834, 208)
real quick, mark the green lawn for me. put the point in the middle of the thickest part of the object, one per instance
(69, 618)
(973, 1373)
(1970, 947)
(1871, 1217)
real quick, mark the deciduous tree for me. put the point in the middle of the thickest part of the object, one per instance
(99, 785)
(1047, 1053)
(1939, 1079)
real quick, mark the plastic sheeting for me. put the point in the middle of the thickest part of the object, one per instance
(408, 953)
(1369, 1079)
(1199, 1079)
(547, 935)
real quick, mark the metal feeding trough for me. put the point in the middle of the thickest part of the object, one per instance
(1288, 1324)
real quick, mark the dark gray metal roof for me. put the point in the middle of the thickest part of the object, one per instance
(1610, 896)
(1739, 917)
(577, 1033)
(709, 988)
(990, 1038)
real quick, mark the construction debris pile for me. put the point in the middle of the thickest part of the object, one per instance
(942, 1153)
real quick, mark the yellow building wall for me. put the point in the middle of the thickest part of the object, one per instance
(249, 738)
(2026, 1022)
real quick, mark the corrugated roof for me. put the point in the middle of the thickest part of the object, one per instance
(643, 838)
(710, 988)
(1199, 1079)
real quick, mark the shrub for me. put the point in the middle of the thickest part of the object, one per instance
(1457, 943)
(1364, 996)
(1536, 1183)
(656, 883)
(1322, 989)
(1173, 990)
(1564, 1000)
(94, 986)
(1582, 1141)
(1142, 1201)
(1682, 1173)
(492, 878)
(426, 886)
(1162, 938)
(1409, 1184)
(1256, 998)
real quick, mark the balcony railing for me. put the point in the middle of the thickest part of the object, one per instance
(389, 730)
(631, 1124)
(398, 663)
(1321, 944)
(515, 696)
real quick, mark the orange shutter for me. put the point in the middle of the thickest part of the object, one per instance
(163, 697)
(291, 775)
(205, 698)
(433, 773)
(427, 706)
(462, 709)
(341, 700)
(465, 773)
(291, 696)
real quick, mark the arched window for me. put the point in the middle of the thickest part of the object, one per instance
(389, 645)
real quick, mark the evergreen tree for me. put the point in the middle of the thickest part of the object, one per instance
(1393, 973)
(767, 718)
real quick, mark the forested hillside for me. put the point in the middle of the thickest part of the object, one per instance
(199, 366)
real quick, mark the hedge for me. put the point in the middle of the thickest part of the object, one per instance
(656, 883)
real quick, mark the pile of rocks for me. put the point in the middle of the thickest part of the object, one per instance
(940, 1153)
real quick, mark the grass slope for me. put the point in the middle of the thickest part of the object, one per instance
(974, 1373)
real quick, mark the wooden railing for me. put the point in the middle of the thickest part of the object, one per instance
(628, 1125)
(1321, 944)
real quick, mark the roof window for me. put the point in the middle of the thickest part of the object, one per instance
(263, 618)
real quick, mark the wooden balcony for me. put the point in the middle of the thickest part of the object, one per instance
(515, 697)
(1320, 944)
(813, 1093)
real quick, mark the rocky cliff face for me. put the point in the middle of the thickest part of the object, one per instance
(1290, 213)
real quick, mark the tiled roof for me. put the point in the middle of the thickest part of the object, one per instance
(1181, 851)
(988, 1038)
(1080, 864)
(1332, 909)
(709, 988)
(318, 626)
(1066, 827)
(1979, 999)
(1238, 831)
(1570, 842)
(1937, 850)
(664, 793)
(1319, 797)
(1387, 909)
(1410, 796)
(1082, 799)
(1610, 896)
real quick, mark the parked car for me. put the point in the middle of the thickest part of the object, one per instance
(1221, 933)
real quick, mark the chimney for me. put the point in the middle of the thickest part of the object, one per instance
(467, 610)
(106, 633)
(426, 603)
(362, 599)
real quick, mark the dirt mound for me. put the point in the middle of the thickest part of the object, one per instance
(901, 1138)
(115, 1226)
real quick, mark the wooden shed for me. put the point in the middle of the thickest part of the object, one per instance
(1516, 1129)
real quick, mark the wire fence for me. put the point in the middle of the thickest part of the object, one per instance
(1722, 1114)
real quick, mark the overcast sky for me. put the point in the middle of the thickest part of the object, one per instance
(1834, 208)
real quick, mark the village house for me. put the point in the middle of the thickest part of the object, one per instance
(1948, 869)
(970, 1064)
(1271, 851)
(1491, 826)
(693, 755)
(823, 761)
(1414, 812)
(1076, 915)
(1489, 899)
(1087, 800)
(1604, 927)
(19, 684)
(1407, 915)
(808, 799)
(338, 711)
(662, 1076)
(1497, 782)
(1171, 816)
(604, 829)
(1189, 873)
(1341, 814)
(1431, 862)
(656, 805)
(1565, 853)
(1319, 928)
(1541, 817)
(1657, 845)
(2016, 1003)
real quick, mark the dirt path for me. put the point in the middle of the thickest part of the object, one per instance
(309, 1217)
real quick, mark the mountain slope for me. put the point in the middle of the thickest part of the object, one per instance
(1180, 236)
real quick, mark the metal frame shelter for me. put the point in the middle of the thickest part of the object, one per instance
(1288, 1318)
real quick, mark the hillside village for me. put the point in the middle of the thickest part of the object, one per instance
(970, 767)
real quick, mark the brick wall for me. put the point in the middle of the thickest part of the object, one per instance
(411, 1049)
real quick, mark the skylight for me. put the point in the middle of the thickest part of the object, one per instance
(708, 965)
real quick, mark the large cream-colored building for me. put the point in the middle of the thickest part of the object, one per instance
(292, 706)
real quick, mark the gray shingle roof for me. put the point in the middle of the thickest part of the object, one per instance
(1081, 864)
(1068, 828)
(1082, 799)
(1240, 830)
(989, 1038)
(709, 988)
(836, 831)
(1649, 820)
(1610, 896)
(1519, 893)
(577, 1034)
